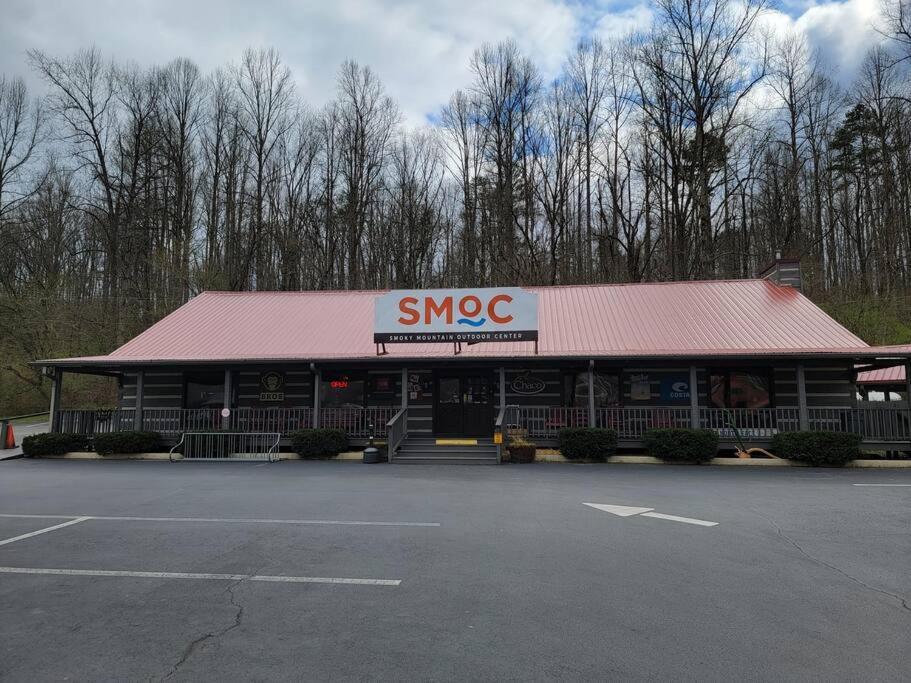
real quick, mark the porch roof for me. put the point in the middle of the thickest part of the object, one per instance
(707, 319)
(893, 375)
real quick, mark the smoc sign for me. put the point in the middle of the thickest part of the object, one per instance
(456, 315)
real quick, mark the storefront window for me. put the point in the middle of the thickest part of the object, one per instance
(575, 390)
(740, 389)
(381, 390)
(204, 390)
(341, 391)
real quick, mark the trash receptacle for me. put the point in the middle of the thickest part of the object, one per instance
(371, 453)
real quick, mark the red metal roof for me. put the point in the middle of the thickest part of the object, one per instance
(680, 319)
(893, 375)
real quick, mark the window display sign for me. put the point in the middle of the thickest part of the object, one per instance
(640, 389)
(270, 387)
(456, 315)
(527, 385)
(675, 389)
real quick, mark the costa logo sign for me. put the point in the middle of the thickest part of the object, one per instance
(435, 315)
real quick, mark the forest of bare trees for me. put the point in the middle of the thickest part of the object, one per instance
(694, 150)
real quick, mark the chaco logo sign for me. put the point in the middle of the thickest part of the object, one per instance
(456, 315)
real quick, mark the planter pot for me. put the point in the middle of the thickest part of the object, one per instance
(522, 454)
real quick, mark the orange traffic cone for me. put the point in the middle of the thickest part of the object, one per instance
(9, 439)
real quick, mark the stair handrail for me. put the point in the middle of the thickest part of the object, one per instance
(498, 435)
(176, 446)
(396, 431)
(275, 448)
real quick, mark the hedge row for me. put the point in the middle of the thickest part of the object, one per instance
(318, 443)
(681, 445)
(587, 443)
(53, 443)
(821, 449)
(127, 442)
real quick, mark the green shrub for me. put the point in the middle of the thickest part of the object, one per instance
(587, 443)
(319, 443)
(521, 450)
(681, 445)
(832, 449)
(126, 442)
(53, 444)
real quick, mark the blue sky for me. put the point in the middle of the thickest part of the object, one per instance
(420, 49)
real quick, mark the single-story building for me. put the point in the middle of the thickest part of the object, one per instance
(748, 358)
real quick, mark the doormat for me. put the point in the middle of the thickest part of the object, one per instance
(457, 442)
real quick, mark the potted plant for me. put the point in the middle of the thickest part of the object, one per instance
(521, 450)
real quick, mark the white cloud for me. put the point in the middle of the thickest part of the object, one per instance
(841, 32)
(419, 49)
(614, 24)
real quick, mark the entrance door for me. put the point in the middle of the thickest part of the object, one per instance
(464, 405)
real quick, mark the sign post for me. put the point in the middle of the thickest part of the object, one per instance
(497, 314)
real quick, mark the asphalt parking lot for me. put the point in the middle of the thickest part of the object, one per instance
(325, 570)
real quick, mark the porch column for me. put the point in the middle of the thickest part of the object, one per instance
(502, 389)
(140, 390)
(56, 389)
(317, 380)
(803, 412)
(404, 388)
(591, 393)
(226, 421)
(907, 384)
(694, 398)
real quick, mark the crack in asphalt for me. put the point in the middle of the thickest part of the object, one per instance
(903, 602)
(238, 617)
(194, 645)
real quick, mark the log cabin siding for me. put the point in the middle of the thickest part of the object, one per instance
(828, 385)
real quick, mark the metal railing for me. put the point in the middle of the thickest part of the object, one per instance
(544, 422)
(750, 423)
(273, 419)
(227, 446)
(95, 421)
(356, 421)
(173, 421)
(396, 431)
(873, 421)
(632, 422)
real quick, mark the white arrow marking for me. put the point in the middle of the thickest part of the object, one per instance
(626, 511)
(619, 510)
(675, 518)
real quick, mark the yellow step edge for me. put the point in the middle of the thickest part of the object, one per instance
(457, 442)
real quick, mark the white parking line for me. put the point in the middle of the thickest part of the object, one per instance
(229, 520)
(211, 577)
(44, 531)
(880, 484)
(675, 518)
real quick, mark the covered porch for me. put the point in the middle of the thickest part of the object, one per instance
(571, 394)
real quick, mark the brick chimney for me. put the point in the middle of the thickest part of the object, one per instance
(783, 271)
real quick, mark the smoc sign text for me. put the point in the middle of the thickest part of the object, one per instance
(456, 315)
